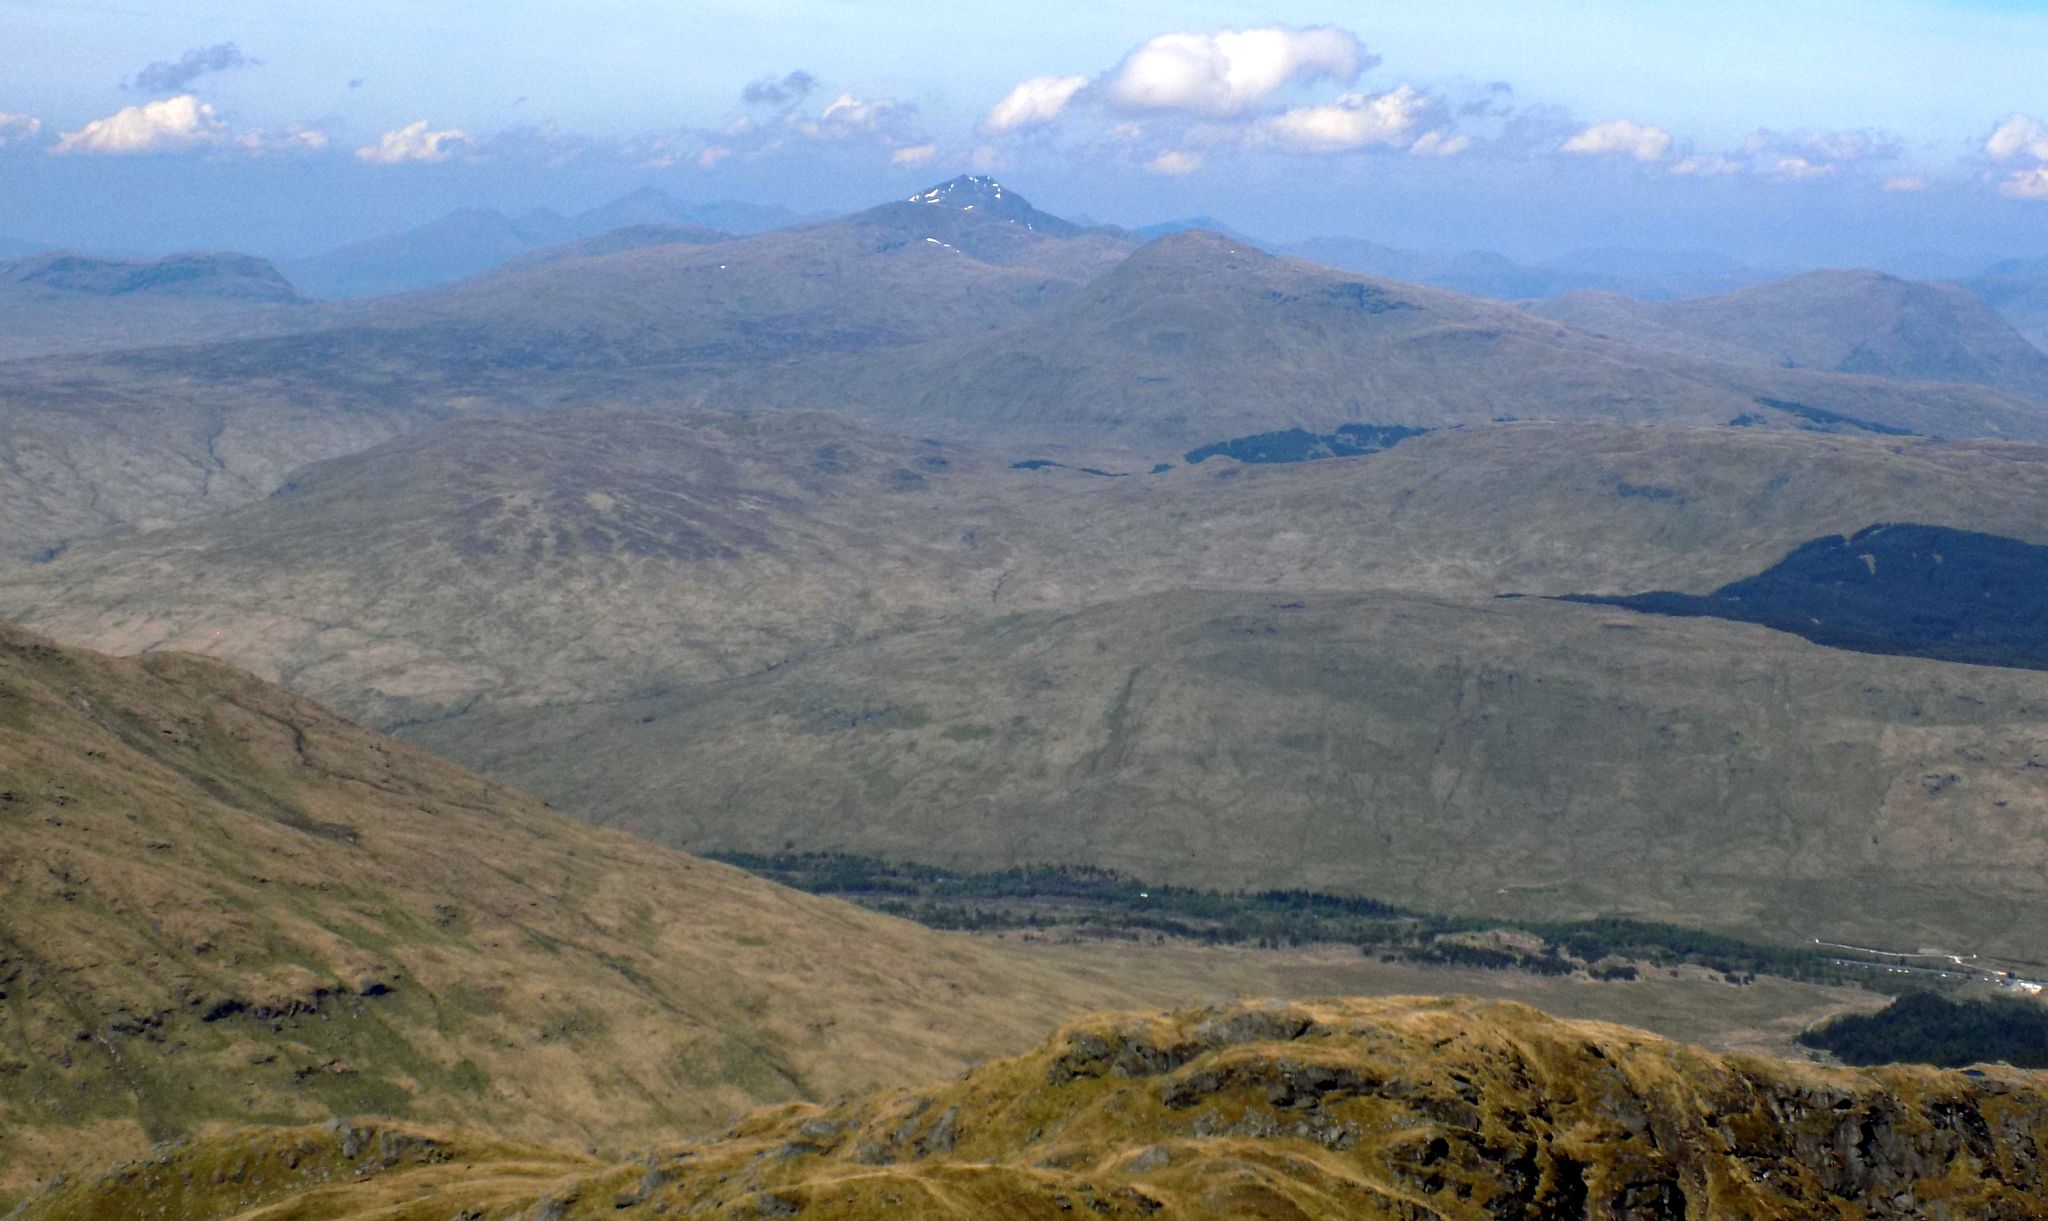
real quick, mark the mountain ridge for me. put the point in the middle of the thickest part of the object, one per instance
(472, 241)
(1321, 1110)
(228, 276)
(1851, 321)
(1197, 336)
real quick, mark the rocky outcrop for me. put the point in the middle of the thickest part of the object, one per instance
(1338, 1109)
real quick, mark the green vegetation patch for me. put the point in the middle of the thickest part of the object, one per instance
(1103, 902)
(1921, 1028)
(1301, 445)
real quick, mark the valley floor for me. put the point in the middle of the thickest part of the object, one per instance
(1687, 1004)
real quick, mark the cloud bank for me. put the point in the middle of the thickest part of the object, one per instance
(1178, 98)
(2021, 142)
(1033, 103)
(18, 128)
(414, 142)
(1227, 72)
(169, 125)
(1357, 120)
(1620, 137)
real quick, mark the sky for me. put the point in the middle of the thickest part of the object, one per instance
(1906, 133)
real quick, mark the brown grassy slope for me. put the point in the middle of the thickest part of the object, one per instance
(1333, 1109)
(1839, 321)
(221, 904)
(597, 555)
(1517, 758)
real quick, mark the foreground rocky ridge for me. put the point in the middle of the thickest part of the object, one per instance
(1335, 1109)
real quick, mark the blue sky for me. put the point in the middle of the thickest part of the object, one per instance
(1801, 131)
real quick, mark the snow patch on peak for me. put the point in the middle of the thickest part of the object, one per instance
(973, 187)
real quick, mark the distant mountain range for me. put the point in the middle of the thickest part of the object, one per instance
(1197, 338)
(225, 277)
(1861, 322)
(960, 313)
(62, 301)
(974, 563)
(1652, 275)
(2018, 289)
(471, 241)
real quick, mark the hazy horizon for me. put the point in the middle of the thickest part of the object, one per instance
(1901, 135)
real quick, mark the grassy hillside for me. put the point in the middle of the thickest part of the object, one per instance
(220, 904)
(600, 555)
(746, 631)
(1521, 758)
(1335, 1109)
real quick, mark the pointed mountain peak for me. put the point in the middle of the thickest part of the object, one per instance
(985, 196)
(645, 193)
(969, 191)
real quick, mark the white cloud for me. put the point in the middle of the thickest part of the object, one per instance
(174, 123)
(1806, 156)
(1832, 147)
(1175, 163)
(290, 140)
(849, 115)
(1440, 144)
(1710, 165)
(852, 119)
(1796, 169)
(413, 142)
(1353, 121)
(2019, 138)
(708, 158)
(2026, 184)
(1906, 184)
(15, 128)
(1227, 72)
(1621, 136)
(1032, 103)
